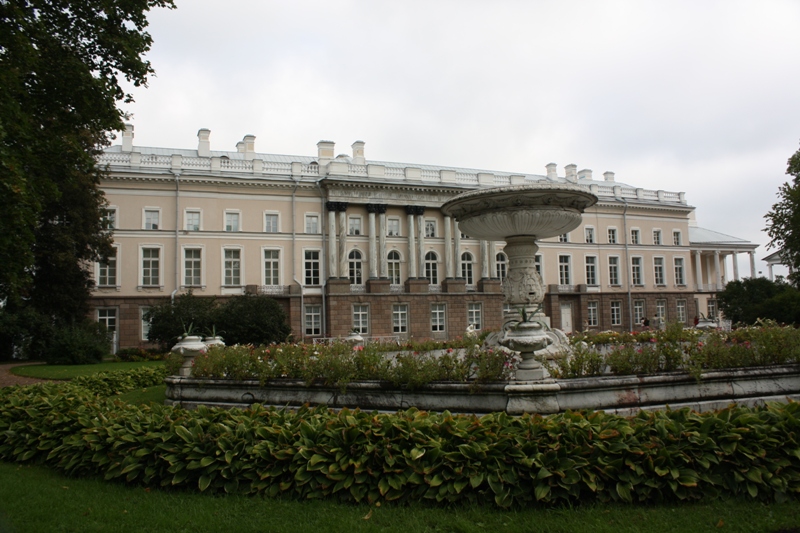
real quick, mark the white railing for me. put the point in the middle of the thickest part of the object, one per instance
(396, 288)
(236, 164)
(466, 177)
(566, 288)
(395, 172)
(357, 170)
(150, 160)
(357, 289)
(313, 170)
(273, 290)
(434, 288)
(202, 163)
(429, 175)
(502, 180)
(274, 167)
(114, 159)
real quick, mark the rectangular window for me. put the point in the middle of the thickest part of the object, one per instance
(564, 237)
(145, 323)
(437, 317)
(270, 223)
(151, 218)
(591, 314)
(661, 311)
(612, 235)
(430, 229)
(564, 277)
(657, 236)
(313, 319)
(354, 226)
(616, 313)
(231, 221)
(150, 266)
(108, 317)
(233, 268)
(636, 271)
(591, 270)
(312, 224)
(192, 264)
(400, 318)
(192, 222)
(110, 218)
(676, 238)
(589, 233)
(635, 236)
(712, 309)
(311, 267)
(537, 263)
(393, 227)
(658, 271)
(394, 267)
(679, 277)
(613, 270)
(361, 318)
(107, 272)
(680, 307)
(271, 267)
(638, 312)
(474, 315)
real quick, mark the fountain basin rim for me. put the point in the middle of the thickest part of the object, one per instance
(519, 196)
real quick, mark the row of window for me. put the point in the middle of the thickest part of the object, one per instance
(637, 270)
(636, 236)
(639, 307)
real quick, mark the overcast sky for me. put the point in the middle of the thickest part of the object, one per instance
(694, 96)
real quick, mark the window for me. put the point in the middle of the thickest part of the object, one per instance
(638, 312)
(355, 268)
(466, 268)
(591, 270)
(192, 221)
(591, 314)
(657, 236)
(680, 306)
(151, 218)
(354, 226)
(231, 221)
(612, 235)
(635, 236)
(501, 265)
(661, 310)
(432, 269)
(400, 318)
(311, 267)
(676, 238)
(272, 267)
(145, 323)
(589, 235)
(192, 267)
(616, 313)
(564, 237)
(437, 317)
(313, 319)
(361, 318)
(393, 227)
(658, 271)
(107, 272)
(474, 315)
(151, 267)
(394, 267)
(430, 228)
(110, 218)
(712, 309)
(537, 263)
(108, 317)
(679, 277)
(613, 270)
(233, 268)
(636, 271)
(564, 277)
(312, 223)
(270, 223)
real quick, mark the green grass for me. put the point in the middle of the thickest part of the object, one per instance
(156, 394)
(36, 499)
(73, 371)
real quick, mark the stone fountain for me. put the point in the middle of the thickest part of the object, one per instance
(520, 215)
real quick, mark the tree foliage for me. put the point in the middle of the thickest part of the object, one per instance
(745, 301)
(783, 221)
(170, 320)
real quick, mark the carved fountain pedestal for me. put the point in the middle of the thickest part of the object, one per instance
(521, 215)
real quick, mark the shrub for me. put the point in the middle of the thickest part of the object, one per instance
(251, 319)
(169, 321)
(82, 343)
(139, 354)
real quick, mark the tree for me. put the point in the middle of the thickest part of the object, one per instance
(251, 319)
(745, 301)
(61, 69)
(170, 320)
(783, 221)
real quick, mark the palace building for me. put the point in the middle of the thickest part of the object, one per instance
(346, 243)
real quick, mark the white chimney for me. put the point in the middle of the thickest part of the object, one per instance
(552, 171)
(585, 174)
(127, 138)
(204, 142)
(571, 171)
(325, 152)
(249, 142)
(608, 176)
(240, 147)
(358, 153)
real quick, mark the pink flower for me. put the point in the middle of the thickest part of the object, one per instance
(358, 348)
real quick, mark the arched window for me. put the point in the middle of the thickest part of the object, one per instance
(502, 265)
(394, 267)
(355, 268)
(432, 268)
(466, 268)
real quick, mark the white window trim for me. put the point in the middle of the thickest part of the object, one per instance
(278, 249)
(319, 223)
(664, 272)
(680, 238)
(369, 316)
(406, 314)
(616, 233)
(594, 234)
(631, 235)
(435, 228)
(653, 236)
(321, 261)
(144, 217)
(225, 214)
(139, 285)
(118, 286)
(264, 221)
(571, 268)
(479, 325)
(115, 209)
(444, 321)
(619, 271)
(685, 273)
(186, 218)
(242, 277)
(597, 279)
(541, 265)
(399, 227)
(203, 255)
(641, 271)
(361, 229)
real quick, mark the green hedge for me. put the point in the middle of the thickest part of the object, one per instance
(412, 455)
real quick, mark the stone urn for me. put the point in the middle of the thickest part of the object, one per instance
(354, 339)
(216, 340)
(190, 347)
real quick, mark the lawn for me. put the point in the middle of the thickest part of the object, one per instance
(35, 499)
(61, 372)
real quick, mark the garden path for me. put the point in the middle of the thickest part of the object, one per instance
(7, 379)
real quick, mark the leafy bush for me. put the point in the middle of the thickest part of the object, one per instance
(251, 319)
(139, 354)
(168, 322)
(79, 344)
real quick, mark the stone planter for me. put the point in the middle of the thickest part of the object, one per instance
(214, 341)
(190, 347)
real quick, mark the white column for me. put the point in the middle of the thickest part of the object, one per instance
(717, 272)
(492, 260)
(457, 252)
(448, 247)
(382, 243)
(484, 259)
(735, 266)
(752, 265)
(344, 271)
(421, 240)
(373, 245)
(332, 263)
(698, 270)
(412, 249)
(771, 275)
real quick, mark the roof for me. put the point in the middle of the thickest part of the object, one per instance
(699, 235)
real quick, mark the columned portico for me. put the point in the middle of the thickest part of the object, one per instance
(448, 247)
(337, 256)
(698, 270)
(412, 249)
(420, 212)
(372, 209)
(717, 271)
